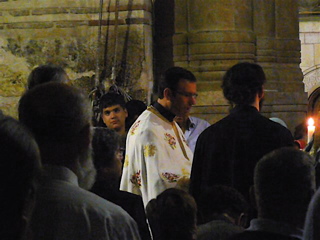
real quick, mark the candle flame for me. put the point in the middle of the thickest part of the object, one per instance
(310, 122)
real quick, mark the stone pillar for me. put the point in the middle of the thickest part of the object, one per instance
(286, 97)
(212, 35)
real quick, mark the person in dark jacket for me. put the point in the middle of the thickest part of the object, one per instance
(227, 152)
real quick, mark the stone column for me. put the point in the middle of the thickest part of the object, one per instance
(286, 97)
(212, 35)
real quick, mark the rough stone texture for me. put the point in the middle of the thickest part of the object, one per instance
(29, 25)
(19, 13)
(65, 32)
(310, 50)
(211, 36)
(45, 11)
(205, 36)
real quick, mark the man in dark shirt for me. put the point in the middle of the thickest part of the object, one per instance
(227, 152)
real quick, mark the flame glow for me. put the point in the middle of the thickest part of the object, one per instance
(310, 122)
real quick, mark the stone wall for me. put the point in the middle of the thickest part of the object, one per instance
(66, 32)
(211, 36)
(310, 50)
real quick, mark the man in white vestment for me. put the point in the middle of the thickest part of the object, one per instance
(59, 116)
(157, 153)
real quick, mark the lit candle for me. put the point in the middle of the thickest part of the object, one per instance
(311, 129)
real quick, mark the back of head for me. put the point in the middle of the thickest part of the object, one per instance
(221, 200)
(110, 99)
(242, 82)
(57, 115)
(134, 108)
(311, 227)
(171, 79)
(173, 215)
(284, 182)
(46, 73)
(300, 131)
(105, 143)
(20, 165)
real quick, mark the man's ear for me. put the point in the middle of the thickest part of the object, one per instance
(242, 220)
(126, 111)
(167, 93)
(261, 94)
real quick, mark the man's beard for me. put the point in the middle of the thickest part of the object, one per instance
(85, 170)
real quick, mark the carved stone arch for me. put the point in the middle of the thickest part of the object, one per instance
(314, 102)
(311, 82)
(311, 79)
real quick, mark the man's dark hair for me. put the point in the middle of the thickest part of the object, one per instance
(172, 215)
(105, 143)
(171, 79)
(242, 82)
(19, 168)
(284, 182)
(46, 73)
(110, 99)
(219, 200)
(300, 131)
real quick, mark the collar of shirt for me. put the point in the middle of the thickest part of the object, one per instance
(60, 173)
(268, 225)
(248, 108)
(163, 111)
(190, 124)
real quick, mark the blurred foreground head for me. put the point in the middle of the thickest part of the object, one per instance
(284, 182)
(172, 215)
(46, 73)
(59, 116)
(19, 168)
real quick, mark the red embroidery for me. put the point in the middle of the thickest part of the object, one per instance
(171, 177)
(134, 127)
(171, 140)
(136, 179)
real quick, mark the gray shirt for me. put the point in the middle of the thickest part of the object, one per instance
(65, 211)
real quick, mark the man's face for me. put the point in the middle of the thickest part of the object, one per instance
(183, 98)
(114, 117)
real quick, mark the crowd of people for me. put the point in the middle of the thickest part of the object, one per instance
(153, 172)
